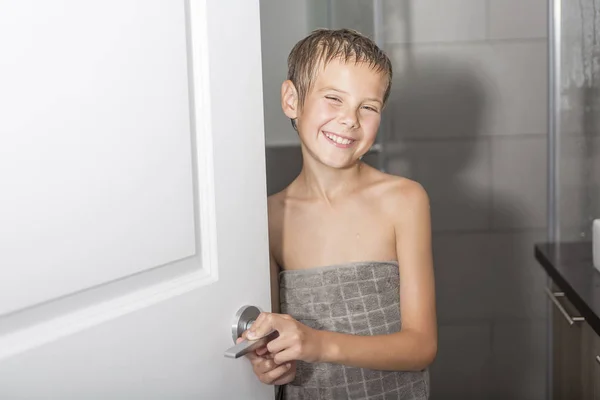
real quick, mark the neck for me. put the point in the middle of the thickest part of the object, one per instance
(321, 181)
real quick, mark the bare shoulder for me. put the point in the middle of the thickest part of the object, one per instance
(408, 192)
(399, 196)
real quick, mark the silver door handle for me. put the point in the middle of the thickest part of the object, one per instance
(242, 321)
(598, 359)
(553, 298)
(246, 346)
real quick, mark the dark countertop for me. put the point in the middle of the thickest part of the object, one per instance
(571, 267)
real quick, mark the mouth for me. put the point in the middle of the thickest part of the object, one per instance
(337, 140)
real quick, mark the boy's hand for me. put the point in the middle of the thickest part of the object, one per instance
(296, 341)
(265, 368)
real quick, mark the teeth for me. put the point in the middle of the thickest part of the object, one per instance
(338, 139)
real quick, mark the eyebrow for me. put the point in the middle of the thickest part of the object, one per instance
(341, 91)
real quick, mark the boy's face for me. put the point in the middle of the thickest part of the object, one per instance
(341, 114)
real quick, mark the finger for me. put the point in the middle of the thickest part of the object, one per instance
(265, 366)
(285, 356)
(265, 325)
(250, 355)
(274, 374)
(257, 360)
(286, 377)
(263, 352)
(259, 320)
(251, 333)
(244, 335)
(279, 344)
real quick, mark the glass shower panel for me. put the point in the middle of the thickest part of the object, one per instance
(577, 152)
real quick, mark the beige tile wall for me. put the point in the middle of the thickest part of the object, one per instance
(434, 21)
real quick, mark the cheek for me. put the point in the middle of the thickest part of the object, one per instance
(328, 110)
(321, 114)
(370, 123)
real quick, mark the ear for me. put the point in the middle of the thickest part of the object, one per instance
(289, 99)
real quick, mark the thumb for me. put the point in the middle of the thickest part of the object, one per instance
(243, 336)
(251, 355)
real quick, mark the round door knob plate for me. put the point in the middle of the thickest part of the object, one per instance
(242, 320)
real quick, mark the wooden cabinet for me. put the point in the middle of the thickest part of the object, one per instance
(567, 341)
(595, 367)
(590, 355)
(576, 352)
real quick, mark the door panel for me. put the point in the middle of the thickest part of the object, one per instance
(99, 155)
(137, 221)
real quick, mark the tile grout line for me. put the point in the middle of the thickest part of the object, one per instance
(416, 139)
(473, 42)
(497, 231)
(492, 201)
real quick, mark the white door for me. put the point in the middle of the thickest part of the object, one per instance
(133, 218)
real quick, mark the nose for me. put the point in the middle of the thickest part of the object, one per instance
(349, 118)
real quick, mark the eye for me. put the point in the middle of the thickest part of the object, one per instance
(333, 98)
(370, 108)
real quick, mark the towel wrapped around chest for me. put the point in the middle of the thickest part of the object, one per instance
(359, 298)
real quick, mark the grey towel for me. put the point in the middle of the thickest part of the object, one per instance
(357, 298)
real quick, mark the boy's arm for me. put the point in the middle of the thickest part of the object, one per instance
(415, 346)
(274, 284)
(274, 222)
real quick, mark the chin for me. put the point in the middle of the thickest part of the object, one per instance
(338, 164)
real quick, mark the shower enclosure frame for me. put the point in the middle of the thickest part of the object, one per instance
(553, 151)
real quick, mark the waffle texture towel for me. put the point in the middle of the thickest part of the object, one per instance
(357, 298)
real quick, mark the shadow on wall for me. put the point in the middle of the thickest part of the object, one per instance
(439, 112)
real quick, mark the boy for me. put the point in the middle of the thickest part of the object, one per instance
(350, 246)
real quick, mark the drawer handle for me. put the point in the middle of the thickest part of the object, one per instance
(598, 359)
(553, 298)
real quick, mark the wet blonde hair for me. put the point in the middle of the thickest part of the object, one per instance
(323, 45)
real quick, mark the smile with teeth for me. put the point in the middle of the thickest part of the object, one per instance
(338, 139)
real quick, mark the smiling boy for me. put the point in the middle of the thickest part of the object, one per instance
(352, 269)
